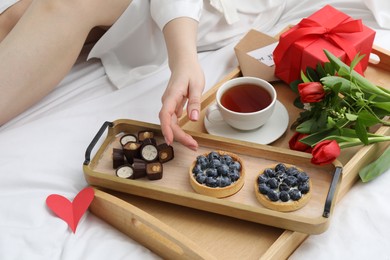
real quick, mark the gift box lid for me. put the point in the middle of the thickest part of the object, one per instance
(302, 46)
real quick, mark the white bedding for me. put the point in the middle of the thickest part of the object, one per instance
(42, 150)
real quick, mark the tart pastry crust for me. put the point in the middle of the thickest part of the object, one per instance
(279, 205)
(219, 192)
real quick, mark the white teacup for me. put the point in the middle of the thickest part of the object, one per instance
(240, 105)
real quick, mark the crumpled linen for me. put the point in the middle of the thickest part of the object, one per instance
(381, 11)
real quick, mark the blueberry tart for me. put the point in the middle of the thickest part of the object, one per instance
(283, 187)
(217, 174)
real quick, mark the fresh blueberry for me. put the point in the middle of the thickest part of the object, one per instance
(273, 195)
(235, 165)
(295, 194)
(291, 181)
(201, 178)
(197, 169)
(234, 175)
(284, 196)
(270, 172)
(280, 167)
(214, 163)
(211, 182)
(302, 177)
(284, 187)
(304, 187)
(226, 159)
(213, 155)
(225, 181)
(211, 172)
(202, 161)
(292, 171)
(223, 170)
(273, 183)
(262, 178)
(263, 188)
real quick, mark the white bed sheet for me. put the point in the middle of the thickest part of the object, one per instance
(42, 150)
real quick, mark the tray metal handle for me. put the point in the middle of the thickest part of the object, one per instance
(95, 140)
(332, 191)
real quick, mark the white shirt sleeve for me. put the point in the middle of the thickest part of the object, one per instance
(163, 11)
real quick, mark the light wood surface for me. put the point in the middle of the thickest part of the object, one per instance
(143, 227)
(230, 238)
(175, 185)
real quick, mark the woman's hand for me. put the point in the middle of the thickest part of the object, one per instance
(186, 82)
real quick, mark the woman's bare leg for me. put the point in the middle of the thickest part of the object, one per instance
(11, 16)
(42, 47)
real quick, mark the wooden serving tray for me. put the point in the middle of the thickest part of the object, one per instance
(352, 159)
(175, 187)
(220, 236)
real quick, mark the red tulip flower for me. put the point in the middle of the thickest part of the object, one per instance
(296, 145)
(311, 92)
(325, 152)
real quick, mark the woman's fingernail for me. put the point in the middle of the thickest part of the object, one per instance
(194, 115)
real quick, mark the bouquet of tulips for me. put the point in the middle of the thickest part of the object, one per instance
(339, 107)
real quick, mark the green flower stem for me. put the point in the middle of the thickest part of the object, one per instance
(350, 142)
(363, 82)
(386, 123)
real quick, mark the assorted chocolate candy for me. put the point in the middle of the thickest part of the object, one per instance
(141, 156)
(128, 138)
(154, 171)
(118, 158)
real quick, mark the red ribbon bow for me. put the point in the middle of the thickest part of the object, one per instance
(331, 30)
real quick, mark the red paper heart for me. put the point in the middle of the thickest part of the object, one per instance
(70, 212)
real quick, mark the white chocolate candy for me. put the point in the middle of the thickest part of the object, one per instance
(125, 172)
(149, 152)
(128, 138)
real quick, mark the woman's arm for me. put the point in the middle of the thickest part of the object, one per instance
(186, 82)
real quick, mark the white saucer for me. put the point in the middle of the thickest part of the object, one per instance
(269, 132)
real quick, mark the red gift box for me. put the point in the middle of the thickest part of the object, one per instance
(303, 45)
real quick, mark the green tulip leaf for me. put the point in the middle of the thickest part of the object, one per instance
(376, 168)
(356, 60)
(329, 68)
(351, 117)
(344, 72)
(322, 121)
(298, 103)
(367, 118)
(313, 139)
(306, 127)
(320, 70)
(338, 84)
(361, 131)
(294, 85)
(304, 78)
(312, 75)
